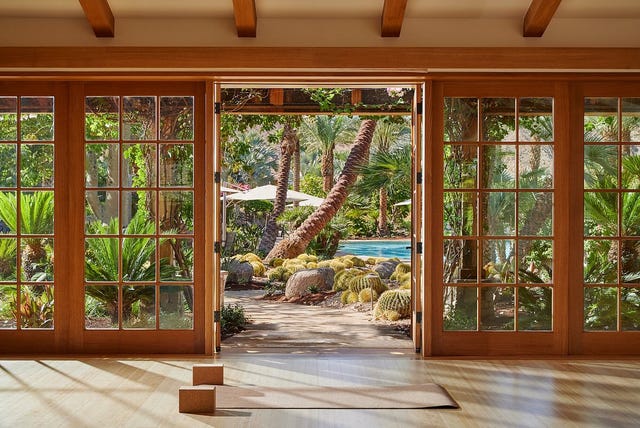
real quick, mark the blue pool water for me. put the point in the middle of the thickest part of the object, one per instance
(377, 248)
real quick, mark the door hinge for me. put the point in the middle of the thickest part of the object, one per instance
(419, 177)
(419, 107)
(418, 247)
(216, 316)
(217, 177)
(217, 108)
(217, 247)
(418, 317)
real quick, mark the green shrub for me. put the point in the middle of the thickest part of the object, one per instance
(232, 319)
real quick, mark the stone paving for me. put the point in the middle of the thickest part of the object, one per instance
(313, 328)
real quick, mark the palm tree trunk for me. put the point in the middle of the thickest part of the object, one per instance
(326, 169)
(287, 147)
(298, 241)
(383, 227)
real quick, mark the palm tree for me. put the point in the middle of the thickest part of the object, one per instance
(323, 133)
(298, 241)
(388, 134)
(388, 173)
(287, 148)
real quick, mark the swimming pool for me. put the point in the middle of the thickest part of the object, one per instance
(377, 248)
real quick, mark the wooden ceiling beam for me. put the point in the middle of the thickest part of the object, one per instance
(244, 12)
(538, 17)
(392, 17)
(99, 15)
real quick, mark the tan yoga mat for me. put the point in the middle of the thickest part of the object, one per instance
(421, 396)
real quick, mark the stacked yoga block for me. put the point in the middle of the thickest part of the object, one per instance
(201, 396)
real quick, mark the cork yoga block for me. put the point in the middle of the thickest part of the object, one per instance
(197, 399)
(208, 374)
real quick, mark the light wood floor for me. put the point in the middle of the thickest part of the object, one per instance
(124, 392)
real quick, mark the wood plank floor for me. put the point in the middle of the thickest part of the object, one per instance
(143, 392)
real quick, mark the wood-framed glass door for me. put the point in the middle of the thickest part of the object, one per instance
(606, 196)
(33, 287)
(498, 280)
(141, 213)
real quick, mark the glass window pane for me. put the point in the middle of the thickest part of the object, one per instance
(631, 167)
(9, 162)
(600, 120)
(176, 165)
(536, 167)
(101, 307)
(600, 308)
(175, 212)
(535, 119)
(8, 259)
(497, 308)
(36, 118)
(459, 262)
(8, 118)
(139, 118)
(8, 306)
(36, 306)
(600, 214)
(139, 259)
(36, 213)
(630, 119)
(460, 166)
(139, 165)
(535, 213)
(101, 259)
(101, 165)
(600, 167)
(101, 212)
(8, 213)
(176, 307)
(498, 262)
(600, 261)
(460, 213)
(139, 306)
(37, 259)
(498, 213)
(498, 167)
(499, 119)
(630, 214)
(630, 308)
(36, 165)
(176, 118)
(138, 212)
(178, 265)
(535, 259)
(630, 261)
(460, 119)
(101, 118)
(460, 308)
(534, 308)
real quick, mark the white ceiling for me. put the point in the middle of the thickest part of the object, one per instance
(315, 9)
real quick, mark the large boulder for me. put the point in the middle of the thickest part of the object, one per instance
(385, 269)
(300, 282)
(239, 272)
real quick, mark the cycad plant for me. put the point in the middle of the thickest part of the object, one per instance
(138, 262)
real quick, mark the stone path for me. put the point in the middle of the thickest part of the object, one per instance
(314, 328)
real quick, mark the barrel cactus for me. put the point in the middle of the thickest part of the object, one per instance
(258, 268)
(393, 300)
(367, 295)
(341, 279)
(357, 261)
(348, 297)
(250, 257)
(401, 269)
(279, 273)
(277, 261)
(370, 280)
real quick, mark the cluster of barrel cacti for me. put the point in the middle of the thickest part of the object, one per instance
(393, 305)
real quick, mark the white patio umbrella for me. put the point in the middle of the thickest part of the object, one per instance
(225, 190)
(407, 202)
(267, 193)
(313, 201)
